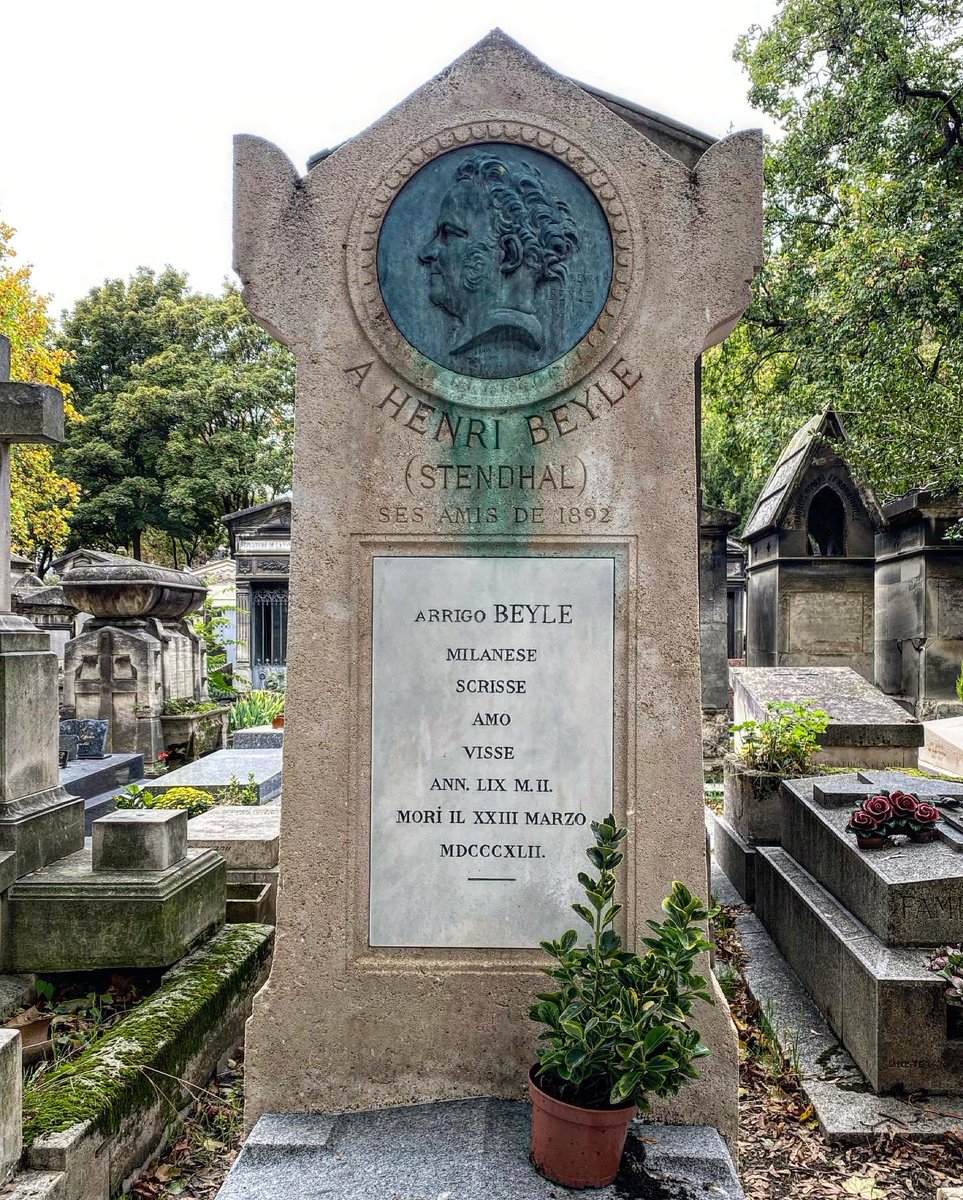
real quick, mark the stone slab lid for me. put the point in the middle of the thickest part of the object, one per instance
(246, 838)
(860, 715)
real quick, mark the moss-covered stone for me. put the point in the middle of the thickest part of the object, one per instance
(145, 1055)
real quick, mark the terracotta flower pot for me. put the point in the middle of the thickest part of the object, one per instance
(576, 1147)
(278, 723)
(923, 835)
(873, 842)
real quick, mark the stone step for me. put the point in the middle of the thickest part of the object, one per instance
(216, 771)
(735, 856)
(887, 1009)
(88, 777)
(907, 895)
(464, 1149)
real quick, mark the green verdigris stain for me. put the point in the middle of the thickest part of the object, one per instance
(144, 1056)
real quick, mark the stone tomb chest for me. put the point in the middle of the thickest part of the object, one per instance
(496, 295)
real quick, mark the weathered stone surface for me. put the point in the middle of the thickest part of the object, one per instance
(248, 903)
(847, 1109)
(258, 737)
(735, 856)
(135, 589)
(69, 918)
(31, 412)
(866, 727)
(42, 828)
(92, 778)
(8, 869)
(246, 838)
(943, 745)
(910, 895)
(218, 769)
(752, 803)
(139, 840)
(10, 1117)
(953, 1193)
(472, 1150)
(195, 734)
(920, 785)
(373, 481)
(262, 878)
(15, 992)
(28, 711)
(176, 1038)
(715, 525)
(885, 1006)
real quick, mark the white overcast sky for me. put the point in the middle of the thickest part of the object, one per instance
(116, 126)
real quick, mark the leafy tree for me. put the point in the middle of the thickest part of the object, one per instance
(859, 304)
(41, 500)
(188, 411)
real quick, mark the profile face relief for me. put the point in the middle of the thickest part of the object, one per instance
(499, 236)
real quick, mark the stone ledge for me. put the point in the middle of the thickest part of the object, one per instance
(886, 1007)
(847, 1109)
(216, 770)
(470, 1149)
(99, 1118)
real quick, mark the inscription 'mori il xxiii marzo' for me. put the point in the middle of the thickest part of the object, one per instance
(492, 701)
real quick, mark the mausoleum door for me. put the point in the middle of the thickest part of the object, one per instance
(269, 631)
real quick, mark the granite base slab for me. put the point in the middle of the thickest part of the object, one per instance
(845, 1105)
(216, 771)
(93, 777)
(886, 1008)
(259, 737)
(460, 1150)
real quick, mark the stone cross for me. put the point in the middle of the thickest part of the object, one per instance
(29, 412)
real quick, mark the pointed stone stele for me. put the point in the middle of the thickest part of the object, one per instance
(497, 295)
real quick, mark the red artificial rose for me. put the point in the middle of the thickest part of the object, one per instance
(926, 814)
(904, 804)
(862, 822)
(878, 807)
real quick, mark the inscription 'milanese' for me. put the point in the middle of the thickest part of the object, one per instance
(451, 726)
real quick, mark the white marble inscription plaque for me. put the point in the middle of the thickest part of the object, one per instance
(492, 718)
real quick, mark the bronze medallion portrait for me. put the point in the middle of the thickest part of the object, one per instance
(494, 260)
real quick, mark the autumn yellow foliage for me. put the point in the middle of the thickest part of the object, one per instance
(41, 499)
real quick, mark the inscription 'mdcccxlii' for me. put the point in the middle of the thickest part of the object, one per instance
(491, 748)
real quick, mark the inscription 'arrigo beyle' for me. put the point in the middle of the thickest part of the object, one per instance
(492, 701)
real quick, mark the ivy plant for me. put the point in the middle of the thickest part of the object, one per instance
(617, 1026)
(786, 742)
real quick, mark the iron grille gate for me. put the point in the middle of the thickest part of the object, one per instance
(269, 626)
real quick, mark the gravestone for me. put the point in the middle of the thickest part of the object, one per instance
(91, 736)
(496, 295)
(39, 822)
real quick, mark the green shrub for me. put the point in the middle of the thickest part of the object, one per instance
(256, 708)
(188, 707)
(786, 742)
(617, 1029)
(236, 793)
(193, 799)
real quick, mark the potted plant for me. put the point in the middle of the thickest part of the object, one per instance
(782, 746)
(882, 817)
(616, 1028)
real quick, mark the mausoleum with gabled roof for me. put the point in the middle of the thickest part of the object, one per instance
(811, 556)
